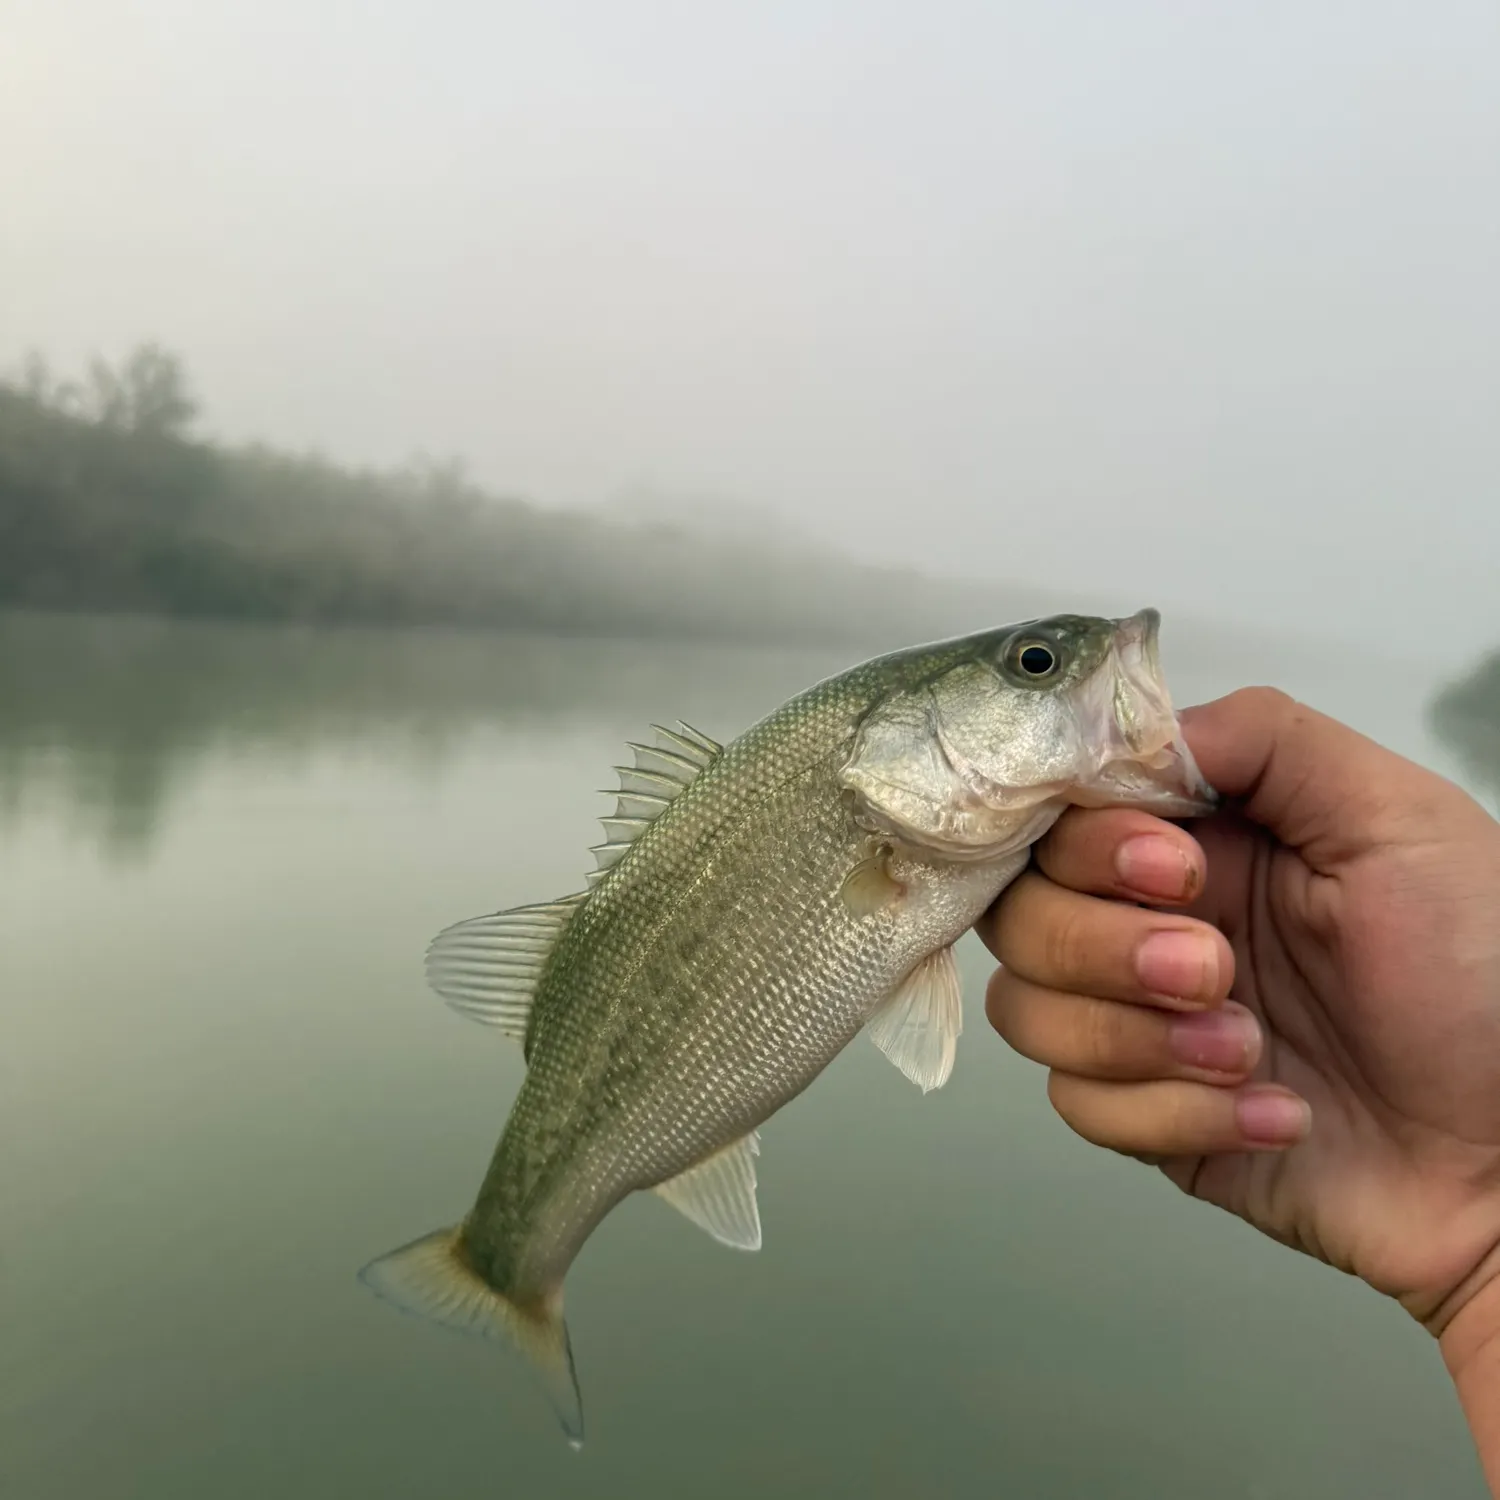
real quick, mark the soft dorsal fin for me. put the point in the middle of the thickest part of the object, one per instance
(487, 968)
(918, 1026)
(661, 771)
(719, 1194)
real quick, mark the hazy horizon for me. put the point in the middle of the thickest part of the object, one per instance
(1171, 304)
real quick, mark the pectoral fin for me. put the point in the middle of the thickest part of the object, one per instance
(869, 887)
(919, 1026)
(719, 1194)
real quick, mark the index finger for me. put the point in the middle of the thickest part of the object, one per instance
(1124, 853)
(1321, 787)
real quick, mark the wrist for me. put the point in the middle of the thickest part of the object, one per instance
(1471, 1336)
(1471, 1350)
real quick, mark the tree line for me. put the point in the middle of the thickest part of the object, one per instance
(108, 502)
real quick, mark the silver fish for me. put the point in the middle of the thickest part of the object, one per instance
(756, 906)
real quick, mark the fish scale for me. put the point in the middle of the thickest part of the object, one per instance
(757, 906)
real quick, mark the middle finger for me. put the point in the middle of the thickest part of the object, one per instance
(1064, 940)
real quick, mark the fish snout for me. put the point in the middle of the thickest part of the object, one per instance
(1145, 761)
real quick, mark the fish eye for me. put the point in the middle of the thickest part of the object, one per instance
(1036, 659)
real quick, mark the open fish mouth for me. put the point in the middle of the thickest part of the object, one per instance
(1127, 711)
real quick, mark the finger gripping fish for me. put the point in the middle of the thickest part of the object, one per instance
(756, 906)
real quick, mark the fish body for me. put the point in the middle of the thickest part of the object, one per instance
(757, 906)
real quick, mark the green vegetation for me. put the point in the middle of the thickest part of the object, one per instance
(107, 503)
(1466, 715)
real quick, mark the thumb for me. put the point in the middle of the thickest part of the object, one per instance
(1319, 786)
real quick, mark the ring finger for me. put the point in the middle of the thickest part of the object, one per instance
(1095, 1038)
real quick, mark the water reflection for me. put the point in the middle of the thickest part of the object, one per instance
(108, 719)
(1466, 717)
(106, 722)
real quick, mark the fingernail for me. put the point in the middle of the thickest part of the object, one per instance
(1223, 1041)
(1155, 866)
(1178, 965)
(1270, 1116)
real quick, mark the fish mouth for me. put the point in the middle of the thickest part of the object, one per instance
(1127, 711)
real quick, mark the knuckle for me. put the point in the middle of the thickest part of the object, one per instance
(1268, 702)
(1188, 1118)
(1174, 1117)
(1014, 1012)
(1103, 1035)
(1133, 1118)
(1064, 942)
(997, 1007)
(1069, 1097)
(1059, 1092)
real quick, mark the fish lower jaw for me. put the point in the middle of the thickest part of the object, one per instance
(1174, 789)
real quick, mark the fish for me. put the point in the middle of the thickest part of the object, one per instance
(756, 906)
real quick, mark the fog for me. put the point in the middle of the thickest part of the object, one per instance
(1143, 302)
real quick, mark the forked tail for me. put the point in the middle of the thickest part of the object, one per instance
(432, 1278)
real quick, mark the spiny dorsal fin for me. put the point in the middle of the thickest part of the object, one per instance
(702, 743)
(661, 771)
(649, 782)
(675, 760)
(918, 1026)
(487, 968)
(666, 762)
(719, 1194)
(643, 805)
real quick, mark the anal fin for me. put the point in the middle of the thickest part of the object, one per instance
(919, 1025)
(718, 1195)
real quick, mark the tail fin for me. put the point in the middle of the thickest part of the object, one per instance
(432, 1278)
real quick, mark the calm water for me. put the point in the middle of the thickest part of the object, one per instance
(223, 1088)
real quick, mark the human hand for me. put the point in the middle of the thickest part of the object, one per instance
(1347, 1100)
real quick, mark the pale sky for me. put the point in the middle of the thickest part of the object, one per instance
(1191, 303)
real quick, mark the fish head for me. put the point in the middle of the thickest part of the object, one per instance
(987, 739)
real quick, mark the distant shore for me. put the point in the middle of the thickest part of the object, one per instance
(108, 504)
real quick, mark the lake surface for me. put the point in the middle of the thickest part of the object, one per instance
(224, 1088)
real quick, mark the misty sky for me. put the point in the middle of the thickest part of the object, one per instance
(1192, 304)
